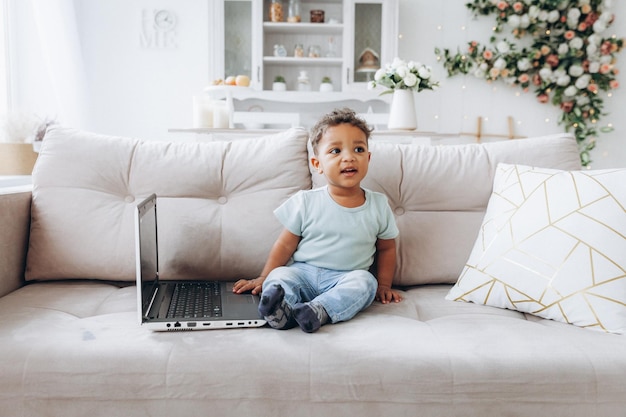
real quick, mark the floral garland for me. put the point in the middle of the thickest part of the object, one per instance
(568, 64)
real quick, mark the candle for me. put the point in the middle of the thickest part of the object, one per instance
(221, 115)
(202, 112)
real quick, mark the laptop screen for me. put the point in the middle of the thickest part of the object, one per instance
(147, 249)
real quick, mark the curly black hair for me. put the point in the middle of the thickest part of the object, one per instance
(334, 118)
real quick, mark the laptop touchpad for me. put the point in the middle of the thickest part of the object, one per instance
(240, 299)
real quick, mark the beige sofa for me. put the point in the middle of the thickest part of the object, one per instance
(71, 345)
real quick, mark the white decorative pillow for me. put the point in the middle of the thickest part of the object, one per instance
(553, 244)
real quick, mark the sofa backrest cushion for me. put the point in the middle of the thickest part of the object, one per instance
(215, 203)
(439, 195)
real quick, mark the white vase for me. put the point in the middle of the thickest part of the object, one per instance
(402, 114)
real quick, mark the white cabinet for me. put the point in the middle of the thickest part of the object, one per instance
(234, 28)
(370, 39)
(321, 53)
(357, 36)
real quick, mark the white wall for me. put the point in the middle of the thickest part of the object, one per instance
(143, 90)
(131, 89)
(138, 91)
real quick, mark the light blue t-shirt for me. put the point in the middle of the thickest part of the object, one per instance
(333, 236)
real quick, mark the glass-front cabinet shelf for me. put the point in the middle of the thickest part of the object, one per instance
(355, 38)
(304, 62)
(303, 28)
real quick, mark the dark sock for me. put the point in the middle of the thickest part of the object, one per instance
(310, 316)
(275, 309)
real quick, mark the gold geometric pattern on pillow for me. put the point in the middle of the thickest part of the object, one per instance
(552, 244)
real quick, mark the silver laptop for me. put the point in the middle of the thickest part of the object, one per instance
(183, 305)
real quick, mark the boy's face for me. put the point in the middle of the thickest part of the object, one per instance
(343, 156)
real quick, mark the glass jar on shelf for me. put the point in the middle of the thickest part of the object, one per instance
(331, 48)
(317, 16)
(314, 51)
(293, 11)
(304, 84)
(276, 11)
(298, 51)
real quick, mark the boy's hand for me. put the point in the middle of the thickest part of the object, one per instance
(386, 295)
(254, 285)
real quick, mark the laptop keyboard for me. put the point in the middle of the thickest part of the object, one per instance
(196, 300)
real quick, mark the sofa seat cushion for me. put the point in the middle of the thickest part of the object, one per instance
(70, 347)
(215, 203)
(439, 195)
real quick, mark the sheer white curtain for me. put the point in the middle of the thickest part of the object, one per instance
(58, 36)
(4, 62)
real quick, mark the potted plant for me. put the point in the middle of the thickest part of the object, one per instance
(279, 83)
(326, 85)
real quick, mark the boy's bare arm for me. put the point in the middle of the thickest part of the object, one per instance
(281, 252)
(386, 265)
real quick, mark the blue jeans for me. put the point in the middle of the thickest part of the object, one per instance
(342, 293)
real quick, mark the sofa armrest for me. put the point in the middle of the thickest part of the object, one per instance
(14, 232)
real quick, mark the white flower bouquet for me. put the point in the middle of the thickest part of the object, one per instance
(402, 75)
